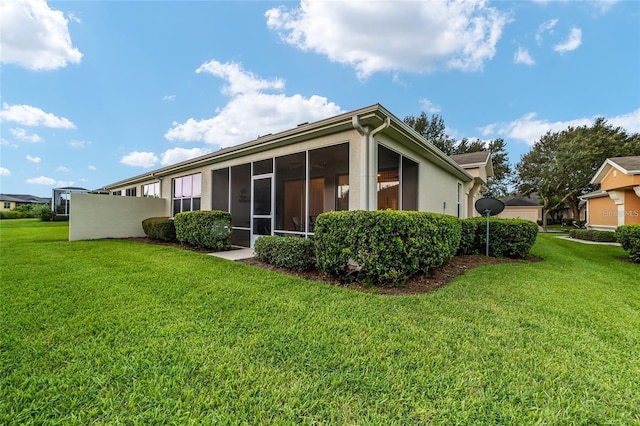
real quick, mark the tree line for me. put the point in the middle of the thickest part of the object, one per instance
(558, 168)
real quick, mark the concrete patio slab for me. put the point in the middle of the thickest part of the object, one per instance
(234, 254)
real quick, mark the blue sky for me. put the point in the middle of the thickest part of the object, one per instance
(95, 92)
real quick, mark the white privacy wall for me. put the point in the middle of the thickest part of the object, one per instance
(106, 216)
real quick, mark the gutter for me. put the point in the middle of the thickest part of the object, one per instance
(368, 162)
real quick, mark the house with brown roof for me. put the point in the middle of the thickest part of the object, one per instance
(477, 164)
(526, 207)
(11, 201)
(618, 200)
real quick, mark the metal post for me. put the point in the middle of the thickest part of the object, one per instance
(488, 212)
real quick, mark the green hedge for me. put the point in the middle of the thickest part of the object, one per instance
(40, 211)
(507, 237)
(160, 228)
(286, 252)
(208, 229)
(629, 238)
(385, 247)
(592, 235)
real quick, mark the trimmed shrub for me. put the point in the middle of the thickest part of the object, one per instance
(592, 235)
(470, 235)
(207, 229)
(26, 211)
(384, 247)
(43, 212)
(10, 214)
(160, 228)
(507, 237)
(286, 252)
(629, 238)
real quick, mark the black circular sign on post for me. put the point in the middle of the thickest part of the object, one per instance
(489, 207)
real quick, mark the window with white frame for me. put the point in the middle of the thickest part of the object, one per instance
(130, 192)
(151, 190)
(186, 193)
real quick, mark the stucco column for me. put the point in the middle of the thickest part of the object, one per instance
(618, 198)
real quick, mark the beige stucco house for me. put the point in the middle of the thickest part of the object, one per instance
(618, 200)
(521, 207)
(279, 183)
(11, 201)
(477, 164)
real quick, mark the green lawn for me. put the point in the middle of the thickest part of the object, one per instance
(115, 332)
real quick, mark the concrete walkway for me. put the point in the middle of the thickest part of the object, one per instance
(234, 254)
(577, 240)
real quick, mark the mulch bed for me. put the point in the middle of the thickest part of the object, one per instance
(419, 284)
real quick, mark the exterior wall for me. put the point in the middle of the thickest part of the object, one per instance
(107, 216)
(617, 179)
(531, 213)
(631, 207)
(602, 212)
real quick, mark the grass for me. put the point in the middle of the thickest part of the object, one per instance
(114, 332)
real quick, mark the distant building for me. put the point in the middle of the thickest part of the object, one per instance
(521, 207)
(11, 201)
(618, 200)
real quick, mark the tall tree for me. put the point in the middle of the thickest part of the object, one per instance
(434, 130)
(560, 165)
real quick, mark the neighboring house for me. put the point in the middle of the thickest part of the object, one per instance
(477, 164)
(278, 184)
(618, 200)
(11, 201)
(521, 207)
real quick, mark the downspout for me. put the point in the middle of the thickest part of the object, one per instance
(368, 162)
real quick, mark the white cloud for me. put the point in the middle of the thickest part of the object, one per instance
(79, 144)
(42, 180)
(73, 17)
(545, 27)
(140, 159)
(35, 36)
(34, 159)
(522, 56)
(4, 142)
(375, 36)
(630, 121)
(429, 106)
(530, 129)
(176, 155)
(92, 167)
(239, 81)
(22, 135)
(28, 115)
(169, 98)
(604, 6)
(62, 169)
(250, 112)
(4, 171)
(573, 41)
